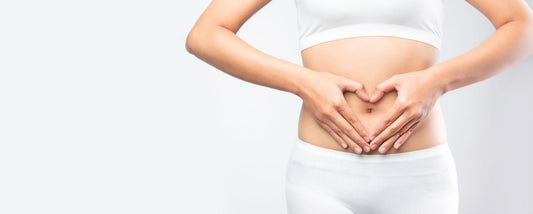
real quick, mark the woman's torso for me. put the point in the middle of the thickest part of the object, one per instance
(370, 60)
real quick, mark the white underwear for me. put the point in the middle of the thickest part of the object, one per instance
(326, 181)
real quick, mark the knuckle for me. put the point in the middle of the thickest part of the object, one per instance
(346, 129)
(398, 135)
(338, 131)
(321, 118)
(352, 120)
(416, 112)
(402, 104)
(321, 121)
(396, 129)
(379, 87)
(324, 126)
(411, 130)
(402, 132)
(419, 114)
(387, 141)
(325, 114)
(362, 143)
(337, 104)
(388, 122)
(413, 113)
(422, 112)
(330, 111)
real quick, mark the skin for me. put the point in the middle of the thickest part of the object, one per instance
(370, 61)
(512, 42)
(399, 74)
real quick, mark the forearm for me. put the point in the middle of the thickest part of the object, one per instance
(224, 50)
(510, 43)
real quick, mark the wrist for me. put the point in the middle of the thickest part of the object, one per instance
(439, 78)
(301, 81)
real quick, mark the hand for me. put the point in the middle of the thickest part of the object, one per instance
(417, 94)
(322, 94)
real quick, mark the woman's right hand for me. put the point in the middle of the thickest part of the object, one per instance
(323, 95)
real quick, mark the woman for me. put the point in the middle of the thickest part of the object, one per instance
(370, 86)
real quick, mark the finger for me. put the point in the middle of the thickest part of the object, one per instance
(353, 146)
(390, 130)
(409, 126)
(334, 134)
(394, 112)
(341, 137)
(376, 95)
(353, 120)
(346, 131)
(382, 88)
(400, 141)
(362, 94)
(358, 88)
(388, 143)
(402, 131)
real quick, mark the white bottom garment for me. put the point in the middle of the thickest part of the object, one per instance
(326, 181)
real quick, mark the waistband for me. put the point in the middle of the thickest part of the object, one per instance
(417, 154)
(429, 160)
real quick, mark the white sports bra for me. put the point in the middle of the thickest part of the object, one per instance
(325, 20)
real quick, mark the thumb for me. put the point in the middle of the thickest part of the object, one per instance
(357, 87)
(382, 88)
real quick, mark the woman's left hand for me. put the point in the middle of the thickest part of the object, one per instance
(418, 92)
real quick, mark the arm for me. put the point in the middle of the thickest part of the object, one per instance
(213, 39)
(418, 91)
(512, 42)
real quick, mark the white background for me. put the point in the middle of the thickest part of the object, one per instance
(102, 110)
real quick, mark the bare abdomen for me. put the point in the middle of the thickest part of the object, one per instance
(370, 60)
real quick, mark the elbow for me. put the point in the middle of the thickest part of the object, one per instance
(197, 40)
(190, 42)
(524, 28)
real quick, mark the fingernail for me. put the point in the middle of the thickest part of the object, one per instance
(382, 149)
(366, 139)
(398, 145)
(367, 149)
(344, 145)
(358, 150)
(374, 146)
(372, 137)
